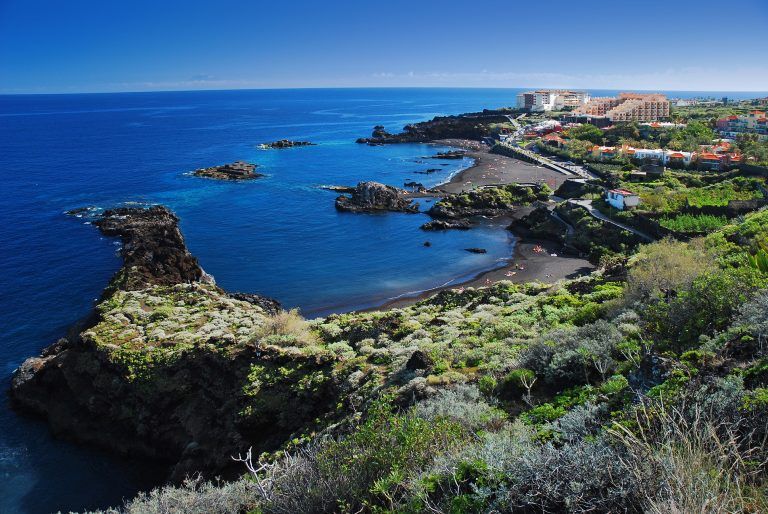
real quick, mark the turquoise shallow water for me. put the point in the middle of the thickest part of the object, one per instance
(278, 236)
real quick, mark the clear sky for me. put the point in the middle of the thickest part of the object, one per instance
(135, 45)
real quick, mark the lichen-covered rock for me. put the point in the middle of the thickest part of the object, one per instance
(376, 197)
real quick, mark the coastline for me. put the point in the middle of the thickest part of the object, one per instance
(536, 267)
(525, 264)
(492, 169)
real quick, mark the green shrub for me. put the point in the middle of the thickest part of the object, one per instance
(690, 223)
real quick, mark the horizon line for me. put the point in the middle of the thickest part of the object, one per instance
(299, 88)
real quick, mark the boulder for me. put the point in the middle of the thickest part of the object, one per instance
(419, 360)
(447, 225)
(237, 170)
(285, 143)
(453, 154)
(376, 197)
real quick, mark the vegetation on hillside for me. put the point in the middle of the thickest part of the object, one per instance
(603, 394)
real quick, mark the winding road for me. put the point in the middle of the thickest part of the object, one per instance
(587, 204)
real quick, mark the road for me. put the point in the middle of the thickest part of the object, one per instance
(567, 169)
(587, 204)
(541, 160)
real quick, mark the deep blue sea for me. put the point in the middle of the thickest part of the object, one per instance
(279, 236)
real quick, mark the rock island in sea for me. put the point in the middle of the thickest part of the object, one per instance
(238, 170)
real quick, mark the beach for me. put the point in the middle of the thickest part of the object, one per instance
(493, 169)
(532, 260)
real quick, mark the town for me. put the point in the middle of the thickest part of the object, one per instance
(638, 166)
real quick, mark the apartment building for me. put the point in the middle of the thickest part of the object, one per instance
(755, 122)
(598, 106)
(551, 99)
(628, 107)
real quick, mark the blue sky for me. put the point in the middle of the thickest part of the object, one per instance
(101, 45)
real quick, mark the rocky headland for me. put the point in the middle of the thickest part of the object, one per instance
(373, 197)
(238, 170)
(474, 126)
(173, 368)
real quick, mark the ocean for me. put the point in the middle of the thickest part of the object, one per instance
(279, 236)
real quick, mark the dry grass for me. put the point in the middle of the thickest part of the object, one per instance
(287, 328)
(691, 463)
(195, 496)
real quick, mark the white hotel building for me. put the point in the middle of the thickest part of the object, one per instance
(551, 99)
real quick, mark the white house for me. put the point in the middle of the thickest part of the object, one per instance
(622, 199)
(663, 156)
(649, 153)
(684, 158)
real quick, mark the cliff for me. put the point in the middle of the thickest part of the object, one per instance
(173, 368)
(644, 391)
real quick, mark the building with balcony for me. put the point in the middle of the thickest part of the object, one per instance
(551, 99)
(755, 122)
(628, 107)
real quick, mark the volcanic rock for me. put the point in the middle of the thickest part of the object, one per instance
(376, 197)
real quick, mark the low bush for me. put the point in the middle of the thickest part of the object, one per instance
(286, 328)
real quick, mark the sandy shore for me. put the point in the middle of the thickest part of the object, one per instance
(526, 265)
(493, 169)
(531, 260)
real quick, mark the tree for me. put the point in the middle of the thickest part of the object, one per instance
(664, 268)
(630, 131)
(586, 132)
(688, 139)
(579, 148)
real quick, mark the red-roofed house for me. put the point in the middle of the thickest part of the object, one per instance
(605, 152)
(711, 161)
(554, 139)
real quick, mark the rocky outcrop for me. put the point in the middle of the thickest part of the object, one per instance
(474, 126)
(540, 224)
(285, 143)
(415, 186)
(339, 189)
(476, 250)
(447, 225)
(153, 249)
(170, 367)
(268, 305)
(489, 201)
(237, 170)
(450, 155)
(376, 197)
(578, 188)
